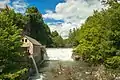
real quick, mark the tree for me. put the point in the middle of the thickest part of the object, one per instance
(9, 40)
(18, 19)
(37, 28)
(55, 33)
(99, 37)
(57, 39)
(72, 41)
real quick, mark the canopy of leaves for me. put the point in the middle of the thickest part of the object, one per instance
(11, 25)
(9, 39)
(72, 41)
(99, 37)
(36, 27)
(57, 40)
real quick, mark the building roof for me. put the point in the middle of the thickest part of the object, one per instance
(35, 42)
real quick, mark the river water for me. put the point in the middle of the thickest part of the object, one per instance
(56, 57)
(60, 66)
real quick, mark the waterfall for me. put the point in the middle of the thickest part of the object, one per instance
(51, 54)
(34, 64)
(38, 75)
(63, 54)
(46, 55)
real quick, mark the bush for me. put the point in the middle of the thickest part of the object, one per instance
(113, 62)
(99, 37)
(18, 75)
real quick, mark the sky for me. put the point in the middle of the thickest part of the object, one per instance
(60, 15)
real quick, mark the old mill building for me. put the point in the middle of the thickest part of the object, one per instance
(33, 47)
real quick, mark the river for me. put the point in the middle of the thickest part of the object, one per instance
(60, 66)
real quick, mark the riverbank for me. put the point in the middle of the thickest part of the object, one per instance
(58, 68)
(76, 70)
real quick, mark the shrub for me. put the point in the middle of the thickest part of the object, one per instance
(15, 76)
(113, 62)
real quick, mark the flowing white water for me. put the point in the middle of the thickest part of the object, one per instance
(34, 64)
(60, 54)
(38, 75)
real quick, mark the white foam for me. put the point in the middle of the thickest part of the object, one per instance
(37, 77)
(59, 53)
(63, 54)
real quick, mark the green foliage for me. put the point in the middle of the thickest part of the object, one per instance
(57, 39)
(18, 19)
(18, 75)
(113, 62)
(32, 9)
(9, 39)
(11, 25)
(36, 27)
(55, 33)
(99, 37)
(72, 40)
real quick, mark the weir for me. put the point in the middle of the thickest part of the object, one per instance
(62, 54)
(52, 57)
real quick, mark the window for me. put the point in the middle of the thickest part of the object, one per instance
(25, 40)
(22, 40)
